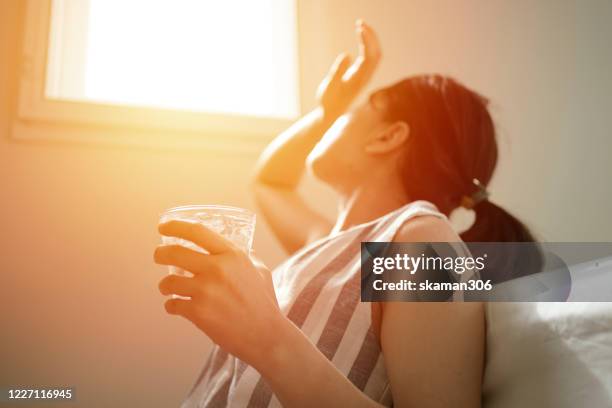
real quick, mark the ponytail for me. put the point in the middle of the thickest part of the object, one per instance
(494, 224)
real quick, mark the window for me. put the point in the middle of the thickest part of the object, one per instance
(203, 66)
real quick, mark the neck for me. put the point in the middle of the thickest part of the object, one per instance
(372, 199)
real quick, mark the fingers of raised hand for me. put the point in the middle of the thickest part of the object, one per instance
(369, 46)
(339, 67)
(369, 55)
(332, 80)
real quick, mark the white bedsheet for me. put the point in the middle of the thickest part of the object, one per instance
(548, 355)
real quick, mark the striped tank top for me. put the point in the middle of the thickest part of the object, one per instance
(319, 289)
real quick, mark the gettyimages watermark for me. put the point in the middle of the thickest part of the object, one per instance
(486, 271)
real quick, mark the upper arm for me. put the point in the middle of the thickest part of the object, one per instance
(433, 351)
(292, 221)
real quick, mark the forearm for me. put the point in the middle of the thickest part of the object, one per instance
(301, 376)
(282, 162)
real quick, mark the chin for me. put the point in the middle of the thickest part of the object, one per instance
(328, 172)
(315, 166)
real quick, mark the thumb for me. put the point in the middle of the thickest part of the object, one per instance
(259, 264)
(339, 67)
(254, 258)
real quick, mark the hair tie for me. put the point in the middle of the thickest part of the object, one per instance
(476, 197)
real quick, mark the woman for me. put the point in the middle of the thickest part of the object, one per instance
(401, 162)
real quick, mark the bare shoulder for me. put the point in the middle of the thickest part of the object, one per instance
(429, 346)
(426, 228)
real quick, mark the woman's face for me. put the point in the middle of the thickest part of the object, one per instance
(341, 158)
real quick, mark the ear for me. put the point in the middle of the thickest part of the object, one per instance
(389, 139)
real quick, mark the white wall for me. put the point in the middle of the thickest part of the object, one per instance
(78, 295)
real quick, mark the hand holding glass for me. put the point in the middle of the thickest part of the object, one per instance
(233, 223)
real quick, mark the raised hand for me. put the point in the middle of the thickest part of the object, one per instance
(345, 79)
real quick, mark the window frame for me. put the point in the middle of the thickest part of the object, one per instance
(51, 119)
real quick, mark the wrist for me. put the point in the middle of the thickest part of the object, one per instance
(300, 375)
(280, 347)
(328, 115)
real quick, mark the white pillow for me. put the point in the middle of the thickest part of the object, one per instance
(548, 354)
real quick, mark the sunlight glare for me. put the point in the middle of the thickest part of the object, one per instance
(235, 56)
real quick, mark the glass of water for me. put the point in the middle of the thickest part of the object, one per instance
(233, 223)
